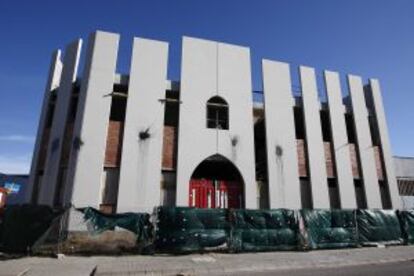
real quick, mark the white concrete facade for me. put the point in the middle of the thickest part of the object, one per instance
(209, 69)
(391, 180)
(49, 182)
(365, 149)
(90, 131)
(340, 140)
(314, 141)
(282, 159)
(53, 81)
(215, 69)
(140, 174)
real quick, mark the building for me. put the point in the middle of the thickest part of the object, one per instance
(404, 170)
(132, 142)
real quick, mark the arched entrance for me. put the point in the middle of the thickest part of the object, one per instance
(216, 183)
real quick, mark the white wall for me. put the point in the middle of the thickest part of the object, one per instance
(345, 178)
(404, 166)
(53, 81)
(208, 69)
(385, 143)
(57, 133)
(91, 124)
(140, 174)
(314, 142)
(365, 149)
(283, 176)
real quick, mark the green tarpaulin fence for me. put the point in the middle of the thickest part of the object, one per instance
(137, 223)
(263, 230)
(185, 230)
(378, 226)
(407, 225)
(325, 229)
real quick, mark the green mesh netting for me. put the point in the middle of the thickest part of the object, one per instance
(185, 230)
(329, 228)
(378, 226)
(407, 225)
(24, 224)
(263, 230)
(137, 223)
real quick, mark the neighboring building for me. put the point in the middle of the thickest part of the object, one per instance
(132, 142)
(404, 170)
(16, 187)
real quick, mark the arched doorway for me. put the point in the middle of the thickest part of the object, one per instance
(216, 183)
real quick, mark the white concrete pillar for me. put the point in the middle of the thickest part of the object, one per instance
(340, 141)
(91, 124)
(53, 81)
(365, 149)
(209, 69)
(140, 172)
(385, 143)
(197, 85)
(57, 132)
(235, 86)
(314, 141)
(282, 158)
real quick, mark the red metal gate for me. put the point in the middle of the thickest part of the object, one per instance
(205, 193)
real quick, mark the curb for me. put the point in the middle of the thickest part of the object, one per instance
(259, 268)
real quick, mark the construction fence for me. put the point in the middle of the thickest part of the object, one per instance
(179, 230)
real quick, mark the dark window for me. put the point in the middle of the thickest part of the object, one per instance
(334, 198)
(118, 109)
(217, 113)
(50, 109)
(326, 126)
(350, 128)
(299, 123)
(373, 126)
(73, 108)
(306, 193)
(171, 108)
(360, 194)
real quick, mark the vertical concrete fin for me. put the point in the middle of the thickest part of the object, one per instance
(57, 132)
(283, 176)
(363, 135)
(140, 172)
(235, 86)
(198, 84)
(91, 124)
(340, 141)
(52, 83)
(385, 143)
(209, 69)
(314, 141)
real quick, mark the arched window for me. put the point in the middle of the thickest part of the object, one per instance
(217, 113)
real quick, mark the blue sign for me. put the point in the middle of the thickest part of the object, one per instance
(12, 187)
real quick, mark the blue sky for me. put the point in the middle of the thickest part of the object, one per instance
(371, 38)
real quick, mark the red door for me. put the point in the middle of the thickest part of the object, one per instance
(231, 195)
(201, 193)
(215, 194)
